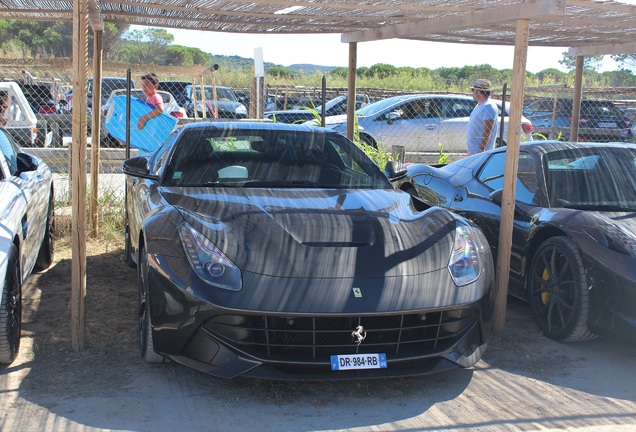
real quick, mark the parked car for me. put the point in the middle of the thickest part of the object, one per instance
(573, 252)
(27, 221)
(445, 121)
(109, 84)
(599, 121)
(282, 251)
(23, 126)
(335, 106)
(177, 89)
(170, 105)
(40, 98)
(228, 104)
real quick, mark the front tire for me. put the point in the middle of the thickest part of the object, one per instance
(11, 309)
(145, 325)
(558, 291)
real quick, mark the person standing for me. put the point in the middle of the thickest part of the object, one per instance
(150, 83)
(482, 126)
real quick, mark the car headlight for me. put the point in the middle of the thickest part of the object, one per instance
(464, 263)
(623, 238)
(241, 110)
(207, 261)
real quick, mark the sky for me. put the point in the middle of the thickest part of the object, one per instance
(327, 50)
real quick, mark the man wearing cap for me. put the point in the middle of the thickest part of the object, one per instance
(482, 126)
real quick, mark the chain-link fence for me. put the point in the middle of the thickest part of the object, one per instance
(428, 127)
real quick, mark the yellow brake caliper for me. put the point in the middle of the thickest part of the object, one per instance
(545, 295)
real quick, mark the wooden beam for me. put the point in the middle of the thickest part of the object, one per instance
(94, 16)
(576, 101)
(351, 84)
(78, 174)
(593, 50)
(96, 125)
(480, 18)
(510, 175)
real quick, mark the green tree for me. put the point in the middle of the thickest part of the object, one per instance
(382, 70)
(627, 61)
(589, 62)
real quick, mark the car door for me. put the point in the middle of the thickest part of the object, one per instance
(490, 178)
(394, 127)
(455, 114)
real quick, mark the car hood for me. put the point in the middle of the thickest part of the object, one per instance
(320, 233)
(335, 120)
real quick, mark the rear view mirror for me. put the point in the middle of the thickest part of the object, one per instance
(395, 170)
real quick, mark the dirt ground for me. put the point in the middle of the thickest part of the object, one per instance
(525, 381)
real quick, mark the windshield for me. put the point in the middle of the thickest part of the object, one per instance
(379, 106)
(602, 178)
(270, 158)
(222, 93)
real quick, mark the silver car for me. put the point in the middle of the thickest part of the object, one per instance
(27, 225)
(443, 119)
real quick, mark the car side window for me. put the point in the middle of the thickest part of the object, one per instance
(492, 175)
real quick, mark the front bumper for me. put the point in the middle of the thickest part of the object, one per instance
(230, 341)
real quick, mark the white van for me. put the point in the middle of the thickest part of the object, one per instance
(21, 123)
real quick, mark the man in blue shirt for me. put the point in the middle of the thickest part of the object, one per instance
(482, 126)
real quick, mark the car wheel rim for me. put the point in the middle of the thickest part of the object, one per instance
(554, 293)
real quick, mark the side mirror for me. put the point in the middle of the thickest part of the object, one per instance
(393, 116)
(496, 196)
(395, 170)
(25, 163)
(138, 167)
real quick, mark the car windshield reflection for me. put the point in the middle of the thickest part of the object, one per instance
(264, 158)
(589, 179)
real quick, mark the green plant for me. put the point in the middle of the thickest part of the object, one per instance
(442, 157)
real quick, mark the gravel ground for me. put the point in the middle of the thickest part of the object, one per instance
(525, 381)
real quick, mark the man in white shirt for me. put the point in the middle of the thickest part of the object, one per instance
(482, 126)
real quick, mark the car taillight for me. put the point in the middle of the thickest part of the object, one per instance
(526, 127)
(628, 122)
(177, 114)
(47, 109)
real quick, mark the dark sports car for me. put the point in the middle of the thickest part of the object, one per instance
(282, 251)
(574, 236)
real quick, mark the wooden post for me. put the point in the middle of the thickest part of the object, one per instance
(510, 175)
(351, 98)
(203, 113)
(576, 100)
(96, 125)
(78, 174)
(194, 99)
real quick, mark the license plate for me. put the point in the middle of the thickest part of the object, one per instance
(606, 124)
(358, 361)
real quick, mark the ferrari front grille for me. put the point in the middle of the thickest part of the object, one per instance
(316, 338)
